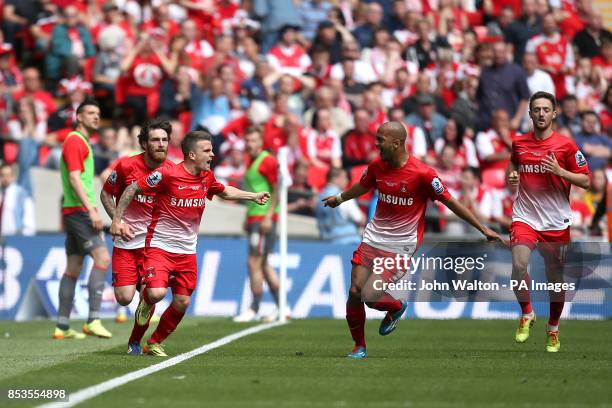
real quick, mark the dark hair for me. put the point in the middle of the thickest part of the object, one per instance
(584, 114)
(27, 100)
(373, 84)
(87, 102)
(191, 140)
(319, 49)
(460, 132)
(568, 97)
(254, 129)
(315, 117)
(474, 170)
(379, 29)
(152, 124)
(543, 95)
(341, 18)
(390, 113)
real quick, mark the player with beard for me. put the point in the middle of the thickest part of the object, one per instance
(170, 244)
(405, 184)
(544, 165)
(128, 250)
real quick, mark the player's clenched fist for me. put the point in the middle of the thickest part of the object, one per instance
(513, 178)
(262, 198)
(119, 229)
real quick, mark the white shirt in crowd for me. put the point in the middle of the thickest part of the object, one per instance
(8, 203)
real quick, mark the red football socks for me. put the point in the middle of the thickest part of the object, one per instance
(167, 324)
(355, 317)
(387, 303)
(139, 331)
(556, 308)
(523, 296)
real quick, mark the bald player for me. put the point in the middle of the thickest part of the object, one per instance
(404, 184)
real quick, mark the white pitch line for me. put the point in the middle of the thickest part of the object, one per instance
(95, 390)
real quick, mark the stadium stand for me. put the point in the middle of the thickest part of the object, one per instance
(417, 61)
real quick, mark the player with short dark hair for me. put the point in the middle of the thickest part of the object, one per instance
(405, 184)
(83, 225)
(544, 165)
(170, 244)
(262, 175)
(128, 250)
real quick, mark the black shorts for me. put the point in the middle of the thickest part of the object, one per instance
(81, 237)
(260, 244)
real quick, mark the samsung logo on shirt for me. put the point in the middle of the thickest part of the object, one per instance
(187, 202)
(389, 199)
(532, 168)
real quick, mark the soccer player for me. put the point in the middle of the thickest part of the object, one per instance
(83, 225)
(404, 184)
(262, 175)
(544, 165)
(128, 253)
(170, 243)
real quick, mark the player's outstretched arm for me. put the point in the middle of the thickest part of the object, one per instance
(465, 214)
(233, 193)
(117, 227)
(551, 164)
(355, 191)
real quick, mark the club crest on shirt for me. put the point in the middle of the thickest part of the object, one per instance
(154, 178)
(112, 179)
(403, 187)
(437, 186)
(580, 159)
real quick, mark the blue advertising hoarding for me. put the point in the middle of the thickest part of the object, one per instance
(318, 280)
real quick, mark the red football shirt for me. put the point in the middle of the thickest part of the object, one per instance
(139, 212)
(74, 153)
(179, 204)
(543, 198)
(402, 200)
(145, 75)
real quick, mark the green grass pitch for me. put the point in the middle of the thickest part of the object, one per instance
(424, 363)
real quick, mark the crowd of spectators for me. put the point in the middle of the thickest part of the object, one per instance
(319, 77)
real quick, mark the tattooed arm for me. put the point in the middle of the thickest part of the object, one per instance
(117, 227)
(108, 202)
